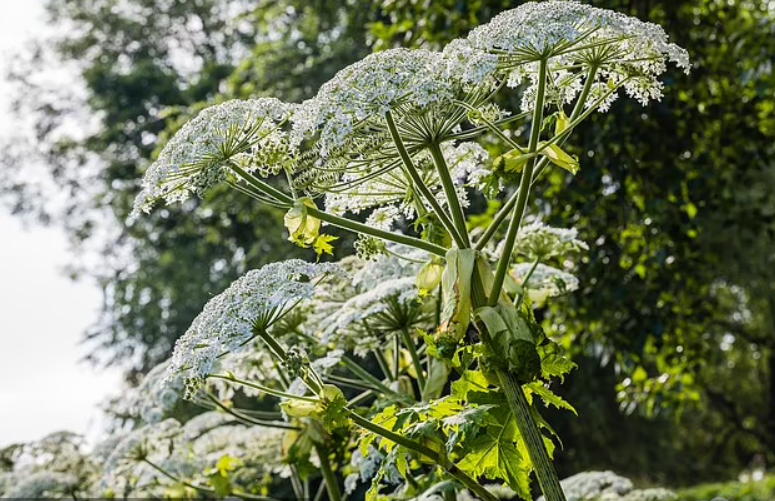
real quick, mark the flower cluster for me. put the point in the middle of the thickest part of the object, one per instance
(397, 80)
(569, 34)
(195, 158)
(543, 281)
(42, 484)
(230, 320)
(537, 241)
(608, 486)
(391, 194)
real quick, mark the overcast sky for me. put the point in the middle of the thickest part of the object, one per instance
(43, 385)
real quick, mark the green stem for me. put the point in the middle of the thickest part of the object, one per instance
(260, 387)
(249, 420)
(383, 364)
(429, 453)
(355, 226)
(521, 296)
(458, 216)
(524, 189)
(534, 440)
(396, 357)
(407, 338)
(418, 182)
(366, 376)
(175, 479)
(332, 485)
(509, 205)
(338, 221)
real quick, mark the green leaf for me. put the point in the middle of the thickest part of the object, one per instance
(513, 340)
(456, 287)
(303, 228)
(548, 397)
(322, 245)
(553, 363)
(495, 453)
(558, 157)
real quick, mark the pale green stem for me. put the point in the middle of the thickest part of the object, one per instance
(341, 222)
(509, 205)
(383, 364)
(364, 374)
(447, 183)
(334, 494)
(539, 456)
(418, 182)
(260, 387)
(521, 296)
(524, 189)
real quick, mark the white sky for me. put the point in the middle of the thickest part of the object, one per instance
(43, 385)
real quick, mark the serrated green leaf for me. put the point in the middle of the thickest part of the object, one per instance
(555, 365)
(495, 453)
(549, 397)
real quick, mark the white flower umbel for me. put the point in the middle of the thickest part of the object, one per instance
(385, 81)
(158, 443)
(231, 319)
(573, 38)
(248, 132)
(391, 194)
(594, 485)
(43, 484)
(539, 241)
(254, 445)
(544, 282)
(152, 400)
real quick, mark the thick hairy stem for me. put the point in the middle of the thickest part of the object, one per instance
(528, 428)
(458, 216)
(419, 184)
(341, 222)
(438, 458)
(534, 439)
(534, 443)
(332, 484)
(524, 188)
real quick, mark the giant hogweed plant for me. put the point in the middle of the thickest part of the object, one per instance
(444, 309)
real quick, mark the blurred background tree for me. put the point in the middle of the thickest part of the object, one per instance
(674, 327)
